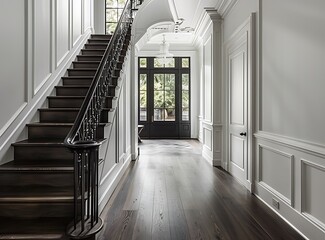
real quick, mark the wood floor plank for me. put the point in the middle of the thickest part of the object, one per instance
(177, 220)
(171, 192)
(143, 225)
(160, 218)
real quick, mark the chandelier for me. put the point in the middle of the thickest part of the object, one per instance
(164, 56)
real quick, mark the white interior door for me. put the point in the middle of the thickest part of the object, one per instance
(237, 106)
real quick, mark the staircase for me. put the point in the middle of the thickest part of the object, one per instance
(36, 188)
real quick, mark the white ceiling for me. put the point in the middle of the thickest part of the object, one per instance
(191, 11)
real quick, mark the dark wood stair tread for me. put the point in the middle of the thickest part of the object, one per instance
(36, 194)
(38, 142)
(40, 228)
(86, 62)
(36, 166)
(82, 69)
(78, 77)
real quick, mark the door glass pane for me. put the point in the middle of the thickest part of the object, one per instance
(159, 81)
(159, 114)
(143, 97)
(170, 99)
(170, 114)
(185, 99)
(143, 105)
(185, 62)
(185, 114)
(143, 82)
(159, 99)
(185, 81)
(169, 82)
(143, 62)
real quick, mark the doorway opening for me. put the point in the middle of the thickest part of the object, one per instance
(164, 98)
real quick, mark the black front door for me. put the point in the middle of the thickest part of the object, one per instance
(164, 100)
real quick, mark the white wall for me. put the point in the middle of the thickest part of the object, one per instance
(289, 139)
(37, 46)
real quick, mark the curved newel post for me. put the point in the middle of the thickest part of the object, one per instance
(86, 216)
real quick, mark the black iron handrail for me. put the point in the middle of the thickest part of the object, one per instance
(82, 138)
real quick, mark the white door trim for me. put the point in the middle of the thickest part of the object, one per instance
(248, 29)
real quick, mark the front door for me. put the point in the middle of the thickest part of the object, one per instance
(164, 98)
(163, 107)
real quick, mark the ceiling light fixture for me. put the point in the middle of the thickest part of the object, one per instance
(164, 56)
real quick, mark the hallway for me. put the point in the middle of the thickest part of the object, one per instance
(171, 192)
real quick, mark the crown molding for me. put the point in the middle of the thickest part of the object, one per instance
(225, 6)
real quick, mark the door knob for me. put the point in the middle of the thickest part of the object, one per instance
(242, 134)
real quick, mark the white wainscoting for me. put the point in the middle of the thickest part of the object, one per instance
(313, 192)
(292, 172)
(276, 172)
(212, 143)
(38, 41)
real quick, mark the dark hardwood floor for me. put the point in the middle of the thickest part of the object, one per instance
(171, 192)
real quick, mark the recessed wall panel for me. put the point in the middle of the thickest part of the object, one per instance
(87, 14)
(207, 138)
(76, 8)
(208, 80)
(62, 29)
(42, 42)
(237, 78)
(314, 192)
(276, 171)
(237, 145)
(12, 62)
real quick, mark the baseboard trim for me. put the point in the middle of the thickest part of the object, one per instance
(293, 217)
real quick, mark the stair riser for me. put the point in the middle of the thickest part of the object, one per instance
(85, 82)
(64, 116)
(78, 72)
(95, 46)
(55, 132)
(78, 65)
(71, 91)
(30, 153)
(31, 179)
(89, 58)
(86, 52)
(100, 41)
(48, 132)
(105, 37)
(73, 103)
(36, 210)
